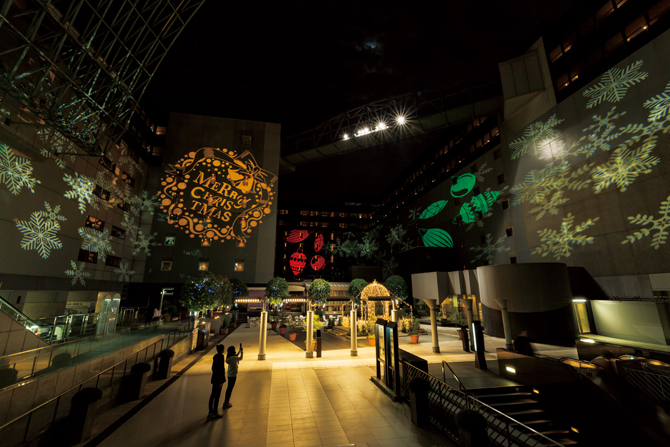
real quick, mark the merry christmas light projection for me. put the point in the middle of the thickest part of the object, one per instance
(318, 263)
(318, 242)
(216, 194)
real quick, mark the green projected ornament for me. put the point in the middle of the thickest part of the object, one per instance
(40, 232)
(463, 185)
(15, 172)
(489, 250)
(78, 273)
(536, 136)
(659, 226)
(659, 105)
(478, 204)
(559, 243)
(435, 237)
(432, 210)
(625, 166)
(614, 84)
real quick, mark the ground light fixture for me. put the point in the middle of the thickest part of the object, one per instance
(587, 340)
(579, 300)
(510, 369)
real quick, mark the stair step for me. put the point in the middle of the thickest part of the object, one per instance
(517, 406)
(501, 390)
(525, 415)
(510, 396)
(567, 441)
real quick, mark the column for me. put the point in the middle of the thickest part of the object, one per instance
(353, 332)
(263, 335)
(505, 318)
(433, 323)
(310, 334)
(467, 302)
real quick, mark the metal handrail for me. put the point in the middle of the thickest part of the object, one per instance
(445, 402)
(79, 386)
(444, 376)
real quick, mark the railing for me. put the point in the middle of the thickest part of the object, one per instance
(445, 402)
(37, 421)
(444, 376)
(18, 316)
(654, 382)
(65, 327)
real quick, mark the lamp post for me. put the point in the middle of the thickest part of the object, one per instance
(167, 291)
(353, 324)
(310, 328)
(263, 336)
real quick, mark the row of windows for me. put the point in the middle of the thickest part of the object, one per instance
(328, 214)
(111, 166)
(343, 225)
(97, 224)
(203, 266)
(170, 240)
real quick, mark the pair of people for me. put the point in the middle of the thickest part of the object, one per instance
(219, 378)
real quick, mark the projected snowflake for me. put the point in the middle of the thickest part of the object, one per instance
(479, 175)
(15, 172)
(625, 166)
(560, 243)
(82, 191)
(536, 136)
(408, 245)
(144, 242)
(658, 226)
(614, 84)
(551, 206)
(489, 249)
(395, 235)
(130, 224)
(132, 166)
(659, 105)
(147, 202)
(78, 273)
(414, 213)
(96, 241)
(124, 272)
(56, 146)
(195, 252)
(539, 184)
(600, 137)
(388, 267)
(40, 232)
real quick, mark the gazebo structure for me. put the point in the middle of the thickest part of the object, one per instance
(372, 293)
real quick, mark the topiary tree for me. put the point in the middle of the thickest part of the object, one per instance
(276, 290)
(319, 290)
(206, 292)
(356, 286)
(239, 287)
(397, 286)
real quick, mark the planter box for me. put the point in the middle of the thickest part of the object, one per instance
(418, 404)
(80, 421)
(164, 368)
(136, 385)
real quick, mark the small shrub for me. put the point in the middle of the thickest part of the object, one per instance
(140, 368)
(471, 421)
(233, 317)
(319, 313)
(224, 324)
(169, 353)
(87, 396)
(419, 385)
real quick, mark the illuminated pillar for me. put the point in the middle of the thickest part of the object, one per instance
(353, 331)
(433, 323)
(263, 334)
(467, 302)
(310, 328)
(394, 315)
(505, 318)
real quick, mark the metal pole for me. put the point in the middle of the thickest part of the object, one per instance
(310, 327)
(467, 302)
(263, 336)
(353, 320)
(160, 308)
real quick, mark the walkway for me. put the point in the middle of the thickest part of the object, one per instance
(286, 400)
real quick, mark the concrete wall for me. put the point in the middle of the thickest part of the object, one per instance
(631, 320)
(431, 286)
(14, 337)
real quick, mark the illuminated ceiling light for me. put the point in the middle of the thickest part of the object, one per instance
(401, 120)
(346, 136)
(381, 126)
(579, 300)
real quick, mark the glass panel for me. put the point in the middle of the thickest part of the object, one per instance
(582, 316)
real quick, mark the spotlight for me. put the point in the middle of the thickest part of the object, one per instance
(346, 136)
(401, 120)
(381, 126)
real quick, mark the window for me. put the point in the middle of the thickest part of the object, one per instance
(124, 206)
(118, 232)
(107, 163)
(304, 213)
(509, 231)
(497, 154)
(170, 240)
(555, 53)
(102, 193)
(166, 266)
(513, 260)
(239, 266)
(92, 222)
(656, 11)
(161, 130)
(113, 261)
(636, 27)
(203, 266)
(495, 132)
(615, 42)
(501, 179)
(505, 204)
(605, 11)
(87, 256)
(128, 179)
(562, 82)
(241, 243)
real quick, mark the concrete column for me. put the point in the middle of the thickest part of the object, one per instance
(263, 335)
(506, 327)
(467, 302)
(310, 334)
(433, 323)
(354, 333)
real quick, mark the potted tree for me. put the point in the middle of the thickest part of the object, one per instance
(356, 286)
(471, 429)
(82, 413)
(239, 287)
(319, 290)
(233, 320)
(274, 314)
(224, 327)
(414, 328)
(459, 319)
(370, 329)
(282, 323)
(418, 401)
(139, 376)
(276, 290)
(164, 364)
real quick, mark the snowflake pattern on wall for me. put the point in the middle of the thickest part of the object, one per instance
(489, 249)
(540, 184)
(143, 242)
(625, 166)
(124, 272)
(146, 202)
(195, 252)
(82, 191)
(659, 226)
(479, 175)
(408, 245)
(659, 105)
(132, 166)
(96, 241)
(40, 232)
(414, 213)
(15, 172)
(388, 267)
(614, 84)
(56, 147)
(559, 243)
(395, 235)
(78, 273)
(551, 206)
(536, 136)
(600, 135)
(130, 224)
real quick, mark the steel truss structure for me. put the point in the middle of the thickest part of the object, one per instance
(81, 66)
(360, 128)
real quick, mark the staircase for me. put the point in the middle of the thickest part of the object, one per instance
(17, 331)
(522, 405)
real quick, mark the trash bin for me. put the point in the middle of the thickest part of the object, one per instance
(318, 342)
(203, 339)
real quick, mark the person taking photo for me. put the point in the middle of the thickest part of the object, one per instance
(233, 361)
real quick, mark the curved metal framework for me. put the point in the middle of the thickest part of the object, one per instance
(378, 123)
(81, 66)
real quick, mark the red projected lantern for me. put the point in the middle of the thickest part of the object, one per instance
(318, 242)
(297, 262)
(318, 263)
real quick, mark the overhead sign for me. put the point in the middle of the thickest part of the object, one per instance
(215, 194)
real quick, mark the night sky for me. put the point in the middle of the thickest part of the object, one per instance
(300, 63)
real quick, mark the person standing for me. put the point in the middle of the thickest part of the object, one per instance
(218, 379)
(233, 361)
